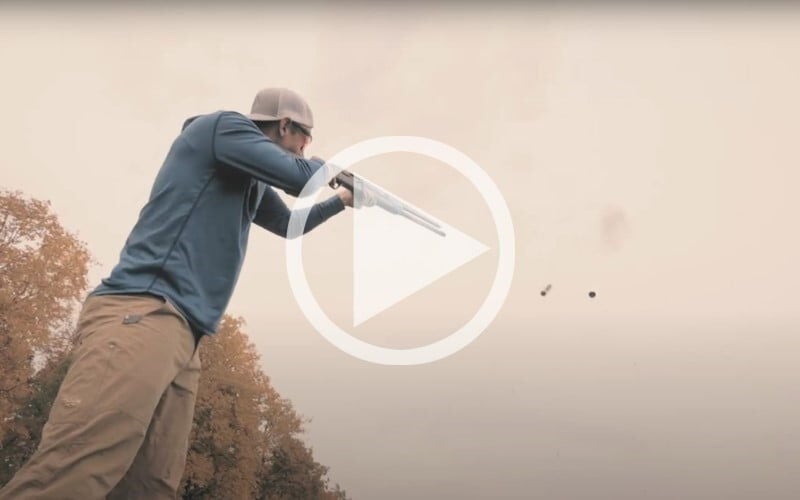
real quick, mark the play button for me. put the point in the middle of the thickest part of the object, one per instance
(393, 258)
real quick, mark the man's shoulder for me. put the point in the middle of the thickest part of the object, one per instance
(199, 120)
(214, 117)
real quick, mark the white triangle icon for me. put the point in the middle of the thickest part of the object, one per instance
(393, 258)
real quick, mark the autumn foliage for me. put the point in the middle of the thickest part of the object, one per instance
(246, 439)
(245, 442)
(42, 276)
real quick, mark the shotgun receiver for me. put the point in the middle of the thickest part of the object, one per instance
(365, 193)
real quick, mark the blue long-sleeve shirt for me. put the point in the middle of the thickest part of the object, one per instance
(190, 240)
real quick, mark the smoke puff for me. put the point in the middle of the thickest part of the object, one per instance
(614, 227)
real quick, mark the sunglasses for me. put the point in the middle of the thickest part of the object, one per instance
(306, 132)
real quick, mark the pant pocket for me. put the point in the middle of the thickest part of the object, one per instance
(78, 393)
(97, 353)
(104, 311)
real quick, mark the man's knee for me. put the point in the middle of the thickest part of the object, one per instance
(79, 459)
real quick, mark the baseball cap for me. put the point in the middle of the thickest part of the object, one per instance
(275, 103)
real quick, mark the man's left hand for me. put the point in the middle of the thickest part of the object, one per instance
(345, 195)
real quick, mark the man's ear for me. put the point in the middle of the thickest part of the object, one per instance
(283, 126)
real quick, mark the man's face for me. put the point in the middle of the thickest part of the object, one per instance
(294, 137)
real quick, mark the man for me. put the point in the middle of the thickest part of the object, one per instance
(119, 427)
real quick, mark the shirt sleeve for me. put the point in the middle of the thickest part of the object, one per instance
(273, 214)
(239, 144)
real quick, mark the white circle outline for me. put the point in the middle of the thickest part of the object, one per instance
(443, 347)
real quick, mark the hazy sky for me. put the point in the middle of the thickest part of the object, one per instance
(648, 155)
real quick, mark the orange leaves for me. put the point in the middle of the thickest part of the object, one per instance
(43, 272)
(245, 441)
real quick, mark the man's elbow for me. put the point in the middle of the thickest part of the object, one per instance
(282, 229)
(290, 235)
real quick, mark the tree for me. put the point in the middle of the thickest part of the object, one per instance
(43, 272)
(245, 438)
(292, 473)
(30, 417)
(42, 277)
(225, 444)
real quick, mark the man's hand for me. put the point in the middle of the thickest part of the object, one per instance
(362, 198)
(345, 195)
(356, 192)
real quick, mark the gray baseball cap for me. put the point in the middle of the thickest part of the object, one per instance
(277, 103)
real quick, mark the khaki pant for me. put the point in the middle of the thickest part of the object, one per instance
(119, 427)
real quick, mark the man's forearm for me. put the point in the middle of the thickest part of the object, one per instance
(277, 220)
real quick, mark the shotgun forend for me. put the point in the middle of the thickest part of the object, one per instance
(365, 193)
